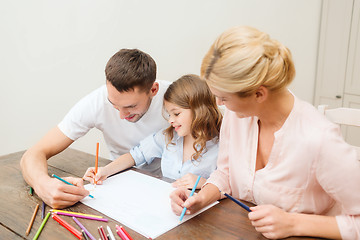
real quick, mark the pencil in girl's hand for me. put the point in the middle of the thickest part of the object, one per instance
(192, 193)
(96, 159)
(236, 201)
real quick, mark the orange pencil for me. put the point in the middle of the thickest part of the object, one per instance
(96, 159)
(32, 219)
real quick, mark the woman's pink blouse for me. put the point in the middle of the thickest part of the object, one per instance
(310, 168)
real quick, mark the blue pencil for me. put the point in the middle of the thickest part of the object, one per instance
(237, 202)
(192, 193)
(43, 210)
(68, 183)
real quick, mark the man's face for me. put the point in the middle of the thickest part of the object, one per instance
(132, 105)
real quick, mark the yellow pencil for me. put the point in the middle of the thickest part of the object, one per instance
(83, 214)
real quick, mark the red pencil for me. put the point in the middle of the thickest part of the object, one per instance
(67, 226)
(96, 159)
(126, 233)
(122, 233)
(103, 233)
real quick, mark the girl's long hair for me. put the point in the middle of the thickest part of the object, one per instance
(191, 92)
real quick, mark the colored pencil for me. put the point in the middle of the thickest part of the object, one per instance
(41, 226)
(66, 225)
(81, 216)
(84, 235)
(43, 210)
(83, 228)
(191, 194)
(76, 213)
(121, 234)
(125, 232)
(32, 219)
(111, 235)
(237, 202)
(67, 182)
(102, 233)
(96, 159)
(31, 191)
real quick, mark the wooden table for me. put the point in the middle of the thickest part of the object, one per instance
(225, 221)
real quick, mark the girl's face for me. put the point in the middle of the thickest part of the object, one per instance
(242, 106)
(179, 118)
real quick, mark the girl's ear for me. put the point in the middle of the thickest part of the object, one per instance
(154, 89)
(261, 94)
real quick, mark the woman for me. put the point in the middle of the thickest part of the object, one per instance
(276, 150)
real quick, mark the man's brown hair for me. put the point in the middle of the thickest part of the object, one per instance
(130, 68)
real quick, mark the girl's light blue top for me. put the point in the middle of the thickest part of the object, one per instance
(172, 166)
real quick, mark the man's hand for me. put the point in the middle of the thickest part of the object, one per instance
(60, 195)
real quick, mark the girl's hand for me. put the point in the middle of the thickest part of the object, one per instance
(180, 199)
(188, 181)
(272, 221)
(92, 178)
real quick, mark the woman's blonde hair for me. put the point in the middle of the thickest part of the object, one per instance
(190, 92)
(243, 58)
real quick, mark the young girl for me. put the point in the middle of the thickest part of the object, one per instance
(188, 147)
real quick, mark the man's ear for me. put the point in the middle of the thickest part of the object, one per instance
(154, 89)
(261, 94)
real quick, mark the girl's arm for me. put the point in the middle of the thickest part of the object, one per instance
(121, 163)
(188, 181)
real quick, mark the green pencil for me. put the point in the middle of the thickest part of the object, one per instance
(31, 190)
(41, 226)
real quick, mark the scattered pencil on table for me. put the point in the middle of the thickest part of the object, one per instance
(43, 210)
(111, 235)
(66, 225)
(236, 201)
(31, 191)
(76, 213)
(41, 226)
(32, 219)
(96, 159)
(84, 235)
(102, 233)
(55, 176)
(122, 233)
(86, 232)
(191, 194)
(80, 216)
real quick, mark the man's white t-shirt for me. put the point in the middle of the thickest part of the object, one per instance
(95, 111)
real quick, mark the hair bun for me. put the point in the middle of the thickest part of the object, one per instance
(271, 49)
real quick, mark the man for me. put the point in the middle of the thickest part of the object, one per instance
(131, 92)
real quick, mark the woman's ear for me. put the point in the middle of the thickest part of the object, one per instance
(261, 94)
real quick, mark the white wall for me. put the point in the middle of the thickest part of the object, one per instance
(54, 52)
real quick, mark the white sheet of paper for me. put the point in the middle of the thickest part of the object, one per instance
(138, 201)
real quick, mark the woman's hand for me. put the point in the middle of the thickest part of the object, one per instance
(98, 178)
(188, 181)
(272, 221)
